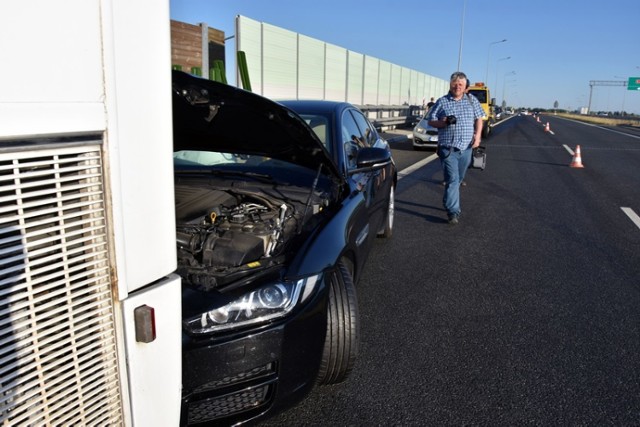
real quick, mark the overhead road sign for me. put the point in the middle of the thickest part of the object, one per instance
(593, 83)
(607, 83)
(634, 83)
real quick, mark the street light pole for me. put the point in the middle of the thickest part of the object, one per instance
(486, 77)
(497, 63)
(504, 84)
(464, 7)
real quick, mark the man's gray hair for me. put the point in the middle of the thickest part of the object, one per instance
(458, 75)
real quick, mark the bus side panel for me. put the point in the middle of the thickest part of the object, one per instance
(154, 368)
(140, 139)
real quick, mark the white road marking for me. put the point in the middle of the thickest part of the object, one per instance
(632, 215)
(406, 171)
(416, 166)
(600, 127)
(618, 132)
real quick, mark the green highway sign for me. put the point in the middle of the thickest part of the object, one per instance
(634, 83)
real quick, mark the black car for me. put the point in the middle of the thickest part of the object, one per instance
(277, 207)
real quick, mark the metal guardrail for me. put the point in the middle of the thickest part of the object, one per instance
(392, 116)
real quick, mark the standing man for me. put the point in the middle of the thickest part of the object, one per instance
(458, 118)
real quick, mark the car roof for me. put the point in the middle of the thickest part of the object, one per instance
(315, 106)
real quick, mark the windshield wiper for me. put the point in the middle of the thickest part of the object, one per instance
(218, 172)
(253, 175)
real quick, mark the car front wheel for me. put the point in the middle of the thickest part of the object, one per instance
(341, 343)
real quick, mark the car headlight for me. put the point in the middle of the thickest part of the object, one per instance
(419, 129)
(259, 306)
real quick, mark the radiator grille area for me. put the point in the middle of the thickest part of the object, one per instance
(231, 404)
(260, 371)
(58, 363)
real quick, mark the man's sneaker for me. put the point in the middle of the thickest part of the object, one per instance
(462, 184)
(453, 219)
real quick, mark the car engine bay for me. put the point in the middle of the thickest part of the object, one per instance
(225, 231)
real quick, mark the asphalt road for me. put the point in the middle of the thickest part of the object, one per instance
(526, 313)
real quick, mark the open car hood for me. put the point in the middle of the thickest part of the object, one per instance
(212, 116)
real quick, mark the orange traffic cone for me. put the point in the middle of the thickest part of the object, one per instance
(546, 127)
(577, 159)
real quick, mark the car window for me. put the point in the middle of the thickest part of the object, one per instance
(352, 137)
(365, 128)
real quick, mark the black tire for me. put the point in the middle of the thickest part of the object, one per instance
(486, 130)
(341, 343)
(387, 231)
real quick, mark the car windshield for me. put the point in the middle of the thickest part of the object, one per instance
(321, 126)
(480, 94)
(250, 166)
(190, 158)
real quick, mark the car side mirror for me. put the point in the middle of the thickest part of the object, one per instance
(370, 159)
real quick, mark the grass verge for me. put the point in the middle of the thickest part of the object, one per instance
(607, 121)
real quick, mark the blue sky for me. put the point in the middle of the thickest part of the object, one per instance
(555, 47)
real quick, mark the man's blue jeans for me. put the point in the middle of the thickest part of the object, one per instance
(454, 165)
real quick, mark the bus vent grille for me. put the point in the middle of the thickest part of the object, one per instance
(58, 363)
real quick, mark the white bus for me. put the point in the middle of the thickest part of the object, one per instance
(90, 315)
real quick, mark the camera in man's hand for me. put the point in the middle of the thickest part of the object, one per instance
(451, 120)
